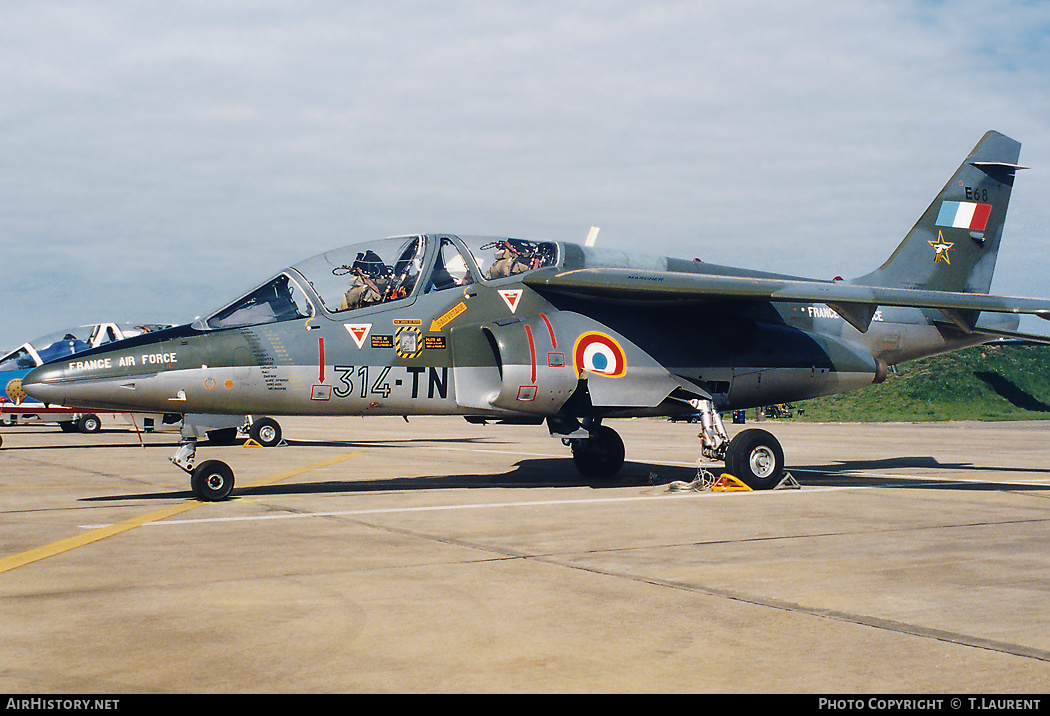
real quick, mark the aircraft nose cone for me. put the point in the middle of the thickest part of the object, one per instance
(40, 384)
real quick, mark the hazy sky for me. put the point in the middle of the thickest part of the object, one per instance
(158, 158)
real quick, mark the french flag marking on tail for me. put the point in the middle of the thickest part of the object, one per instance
(964, 215)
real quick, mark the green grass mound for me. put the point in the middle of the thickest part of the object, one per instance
(997, 382)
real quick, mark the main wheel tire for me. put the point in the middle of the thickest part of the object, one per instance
(600, 456)
(755, 458)
(266, 432)
(89, 424)
(212, 481)
(68, 426)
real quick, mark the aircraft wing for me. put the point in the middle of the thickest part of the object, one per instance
(855, 303)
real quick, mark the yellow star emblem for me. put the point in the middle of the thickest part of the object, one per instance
(942, 248)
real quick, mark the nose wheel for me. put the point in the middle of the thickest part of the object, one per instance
(212, 481)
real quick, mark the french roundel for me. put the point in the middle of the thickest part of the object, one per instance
(599, 353)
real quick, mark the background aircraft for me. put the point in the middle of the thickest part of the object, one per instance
(15, 404)
(573, 335)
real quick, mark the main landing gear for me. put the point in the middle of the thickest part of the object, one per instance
(597, 450)
(599, 456)
(265, 431)
(87, 423)
(753, 456)
(212, 480)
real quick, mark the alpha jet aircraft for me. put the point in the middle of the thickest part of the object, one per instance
(533, 331)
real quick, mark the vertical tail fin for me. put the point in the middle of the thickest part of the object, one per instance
(954, 245)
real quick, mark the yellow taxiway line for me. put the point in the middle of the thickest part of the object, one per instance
(100, 533)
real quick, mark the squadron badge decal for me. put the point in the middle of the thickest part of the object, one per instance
(942, 248)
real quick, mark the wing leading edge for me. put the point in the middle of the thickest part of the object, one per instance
(855, 303)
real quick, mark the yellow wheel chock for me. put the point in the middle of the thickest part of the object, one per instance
(251, 442)
(728, 483)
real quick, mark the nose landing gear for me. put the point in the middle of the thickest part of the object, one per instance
(212, 480)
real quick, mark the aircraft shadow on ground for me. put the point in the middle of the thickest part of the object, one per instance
(104, 446)
(526, 474)
(561, 472)
(841, 473)
(397, 442)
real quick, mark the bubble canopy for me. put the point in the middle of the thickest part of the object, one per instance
(389, 270)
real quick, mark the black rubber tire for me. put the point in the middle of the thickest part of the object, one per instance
(755, 458)
(89, 423)
(599, 457)
(67, 426)
(266, 432)
(212, 481)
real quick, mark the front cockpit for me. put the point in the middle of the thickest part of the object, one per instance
(366, 275)
(389, 271)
